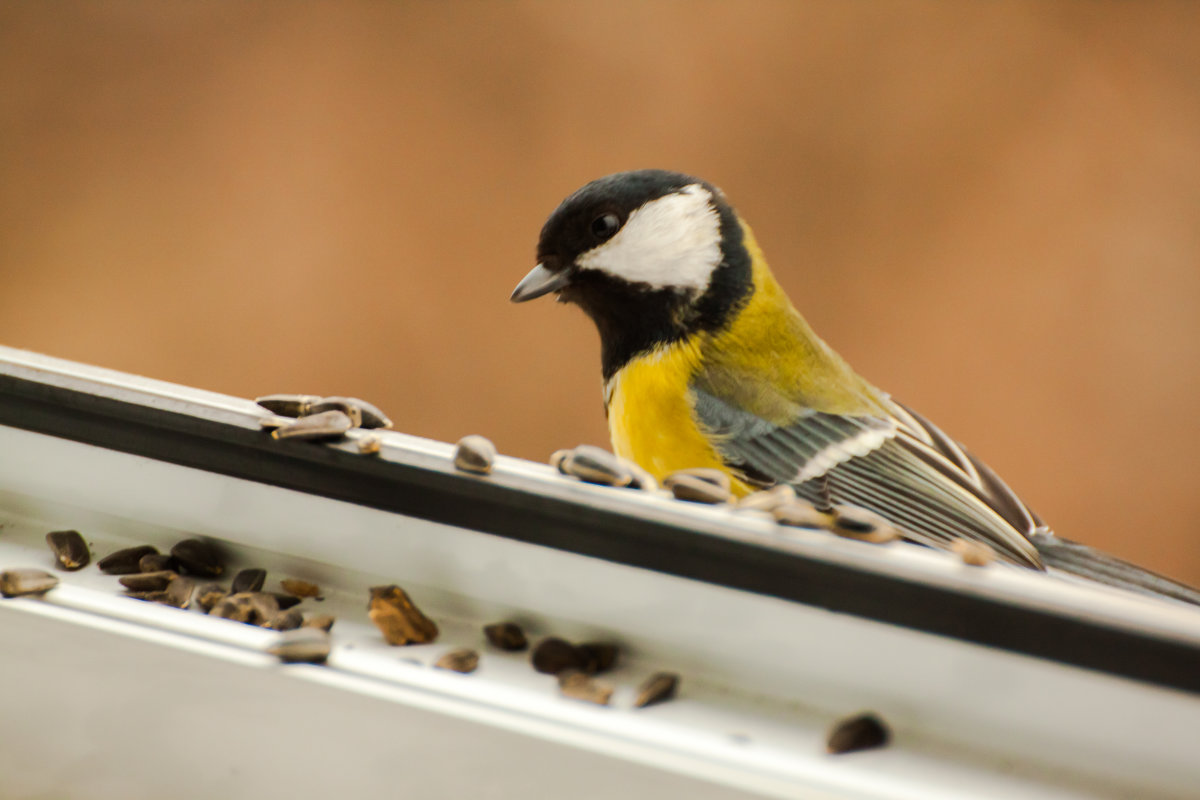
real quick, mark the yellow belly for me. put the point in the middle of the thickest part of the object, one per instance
(650, 418)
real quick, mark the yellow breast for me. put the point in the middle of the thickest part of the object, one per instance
(650, 417)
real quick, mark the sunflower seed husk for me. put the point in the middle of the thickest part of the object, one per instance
(299, 588)
(24, 582)
(286, 620)
(148, 581)
(157, 562)
(249, 580)
(209, 595)
(126, 561)
(284, 600)
(70, 550)
(316, 427)
(860, 732)
(369, 416)
(642, 479)
(273, 421)
(695, 489)
(288, 405)
(475, 454)
(580, 686)
(596, 465)
(322, 621)
(352, 411)
(598, 656)
(853, 522)
(973, 553)
(370, 444)
(707, 474)
(554, 655)
(464, 660)
(658, 688)
(178, 593)
(398, 618)
(252, 608)
(799, 514)
(558, 460)
(506, 636)
(199, 557)
(768, 499)
(302, 646)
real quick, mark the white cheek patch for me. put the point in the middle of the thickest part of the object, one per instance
(671, 242)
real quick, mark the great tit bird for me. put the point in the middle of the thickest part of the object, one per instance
(706, 363)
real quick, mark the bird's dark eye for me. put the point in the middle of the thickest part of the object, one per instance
(605, 225)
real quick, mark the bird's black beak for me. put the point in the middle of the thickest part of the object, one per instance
(540, 281)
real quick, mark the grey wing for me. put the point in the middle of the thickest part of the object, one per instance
(899, 466)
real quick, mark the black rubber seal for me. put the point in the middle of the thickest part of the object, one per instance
(110, 422)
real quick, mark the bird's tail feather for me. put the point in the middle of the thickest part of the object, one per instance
(1087, 562)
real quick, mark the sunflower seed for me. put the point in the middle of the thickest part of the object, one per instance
(579, 686)
(316, 427)
(157, 562)
(799, 514)
(322, 621)
(23, 582)
(352, 411)
(288, 405)
(853, 522)
(369, 416)
(178, 593)
(554, 655)
(695, 489)
(299, 588)
(249, 580)
(475, 454)
(125, 562)
(464, 660)
(598, 656)
(302, 646)
(284, 600)
(370, 444)
(709, 475)
(69, 548)
(768, 499)
(596, 465)
(658, 688)
(273, 421)
(148, 581)
(286, 620)
(400, 621)
(253, 608)
(507, 636)
(642, 479)
(558, 459)
(209, 595)
(199, 557)
(860, 732)
(973, 553)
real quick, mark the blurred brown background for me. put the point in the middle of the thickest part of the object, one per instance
(992, 210)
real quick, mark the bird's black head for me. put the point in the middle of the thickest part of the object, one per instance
(650, 255)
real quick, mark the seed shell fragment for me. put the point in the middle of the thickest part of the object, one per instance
(475, 454)
(322, 621)
(25, 582)
(209, 595)
(286, 620)
(70, 550)
(687, 485)
(369, 415)
(801, 514)
(316, 427)
(658, 688)
(580, 686)
(860, 732)
(302, 646)
(341, 404)
(768, 499)
(288, 405)
(506, 636)
(464, 660)
(148, 581)
(299, 588)
(252, 608)
(249, 580)
(157, 562)
(125, 561)
(398, 618)
(370, 445)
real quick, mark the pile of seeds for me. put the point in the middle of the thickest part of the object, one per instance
(314, 418)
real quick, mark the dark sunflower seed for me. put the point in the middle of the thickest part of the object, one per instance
(148, 581)
(24, 582)
(70, 550)
(861, 732)
(284, 601)
(658, 688)
(398, 618)
(338, 404)
(507, 636)
(554, 655)
(598, 656)
(464, 660)
(596, 465)
(475, 454)
(178, 593)
(302, 645)
(157, 562)
(126, 561)
(369, 415)
(249, 580)
(288, 405)
(199, 557)
(579, 686)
